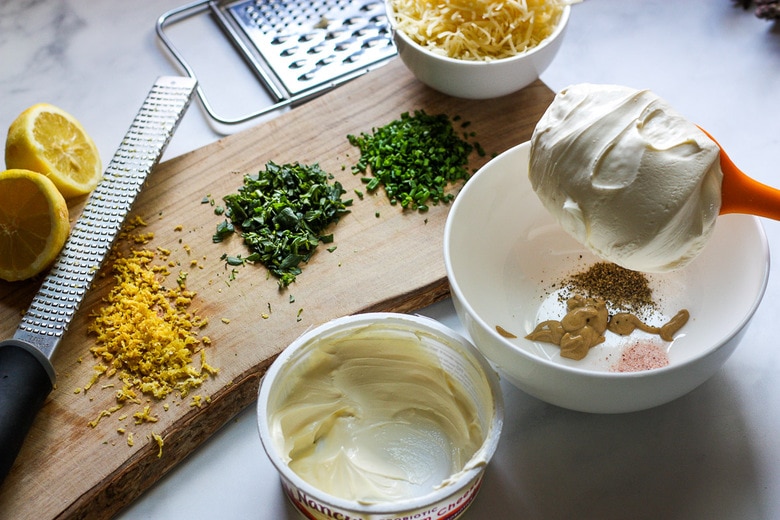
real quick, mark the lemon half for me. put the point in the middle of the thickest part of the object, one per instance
(48, 140)
(33, 223)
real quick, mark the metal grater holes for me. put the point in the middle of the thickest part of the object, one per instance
(306, 44)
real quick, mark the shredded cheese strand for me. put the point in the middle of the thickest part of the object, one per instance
(478, 29)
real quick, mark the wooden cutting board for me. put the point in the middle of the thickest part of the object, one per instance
(386, 260)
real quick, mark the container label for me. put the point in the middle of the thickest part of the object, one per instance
(448, 509)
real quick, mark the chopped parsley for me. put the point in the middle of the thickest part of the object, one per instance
(281, 213)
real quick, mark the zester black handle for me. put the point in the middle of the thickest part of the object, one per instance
(24, 385)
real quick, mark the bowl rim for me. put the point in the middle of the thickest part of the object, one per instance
(557, 32)
(583, 372)
(463, 477)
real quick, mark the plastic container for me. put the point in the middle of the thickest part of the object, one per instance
(366, 352)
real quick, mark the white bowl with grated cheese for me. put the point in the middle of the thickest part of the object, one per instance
(475, 74)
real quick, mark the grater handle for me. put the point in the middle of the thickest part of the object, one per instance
(283, 98)
(24, 385)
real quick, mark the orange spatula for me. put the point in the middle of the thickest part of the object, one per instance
(742, 194)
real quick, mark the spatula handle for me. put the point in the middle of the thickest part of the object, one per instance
(24, 385)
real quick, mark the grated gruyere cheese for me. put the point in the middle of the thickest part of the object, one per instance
(478, 29)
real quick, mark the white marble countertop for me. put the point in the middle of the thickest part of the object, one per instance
(711, 454)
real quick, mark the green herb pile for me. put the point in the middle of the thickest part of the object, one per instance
(414, 158)
(281, 213)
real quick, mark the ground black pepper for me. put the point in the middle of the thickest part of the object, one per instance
(621, 288)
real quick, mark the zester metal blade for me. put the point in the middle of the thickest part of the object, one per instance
(26, 373)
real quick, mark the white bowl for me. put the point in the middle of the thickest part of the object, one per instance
(477, 79)
(408, 442)
(503, 250)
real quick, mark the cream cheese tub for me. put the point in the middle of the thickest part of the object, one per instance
(380, 416)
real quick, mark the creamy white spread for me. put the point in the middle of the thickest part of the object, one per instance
(627, 176)
(374, 418)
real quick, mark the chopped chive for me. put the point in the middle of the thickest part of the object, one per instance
(414, 159)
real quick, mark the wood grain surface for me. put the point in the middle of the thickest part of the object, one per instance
(386, 260)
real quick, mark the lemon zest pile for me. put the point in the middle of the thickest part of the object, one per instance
(478, 29)
(146, 336)
(144, 332)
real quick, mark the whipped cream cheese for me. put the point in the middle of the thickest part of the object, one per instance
(627, 176)
(373, 417)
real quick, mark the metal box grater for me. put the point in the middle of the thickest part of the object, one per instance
(297, 48)
(306, 43)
